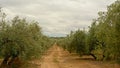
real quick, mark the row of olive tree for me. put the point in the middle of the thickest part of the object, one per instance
(102, 41)
(75, 42)
(106, 33)
(20, 39)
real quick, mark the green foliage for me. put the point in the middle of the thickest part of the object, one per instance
(92, 40)
(16, 38)
(98, 52)
(79, 42)
(75, 42)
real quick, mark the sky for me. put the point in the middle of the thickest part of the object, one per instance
(56, 17)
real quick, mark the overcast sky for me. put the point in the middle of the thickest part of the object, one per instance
(56, 17)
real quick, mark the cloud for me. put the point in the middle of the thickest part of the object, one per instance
(56, 17)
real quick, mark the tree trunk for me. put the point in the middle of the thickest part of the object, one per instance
(15, 62)
(5, 62)
(11, 61)
(93, 56)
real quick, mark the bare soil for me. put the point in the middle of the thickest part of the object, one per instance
(56, 57)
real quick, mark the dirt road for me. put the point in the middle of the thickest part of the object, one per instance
(58, 58)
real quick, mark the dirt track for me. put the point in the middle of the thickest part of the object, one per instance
(58, 58)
